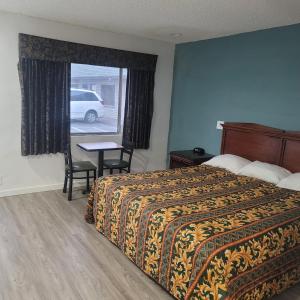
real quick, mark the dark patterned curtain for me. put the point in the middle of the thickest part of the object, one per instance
(44, 66)
(138, 108)
(45, 87)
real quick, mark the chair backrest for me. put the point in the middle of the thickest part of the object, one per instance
(129, 152)
(68, 157)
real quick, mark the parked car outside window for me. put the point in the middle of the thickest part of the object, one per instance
(86, 105)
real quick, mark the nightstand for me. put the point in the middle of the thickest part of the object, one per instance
(185, 158)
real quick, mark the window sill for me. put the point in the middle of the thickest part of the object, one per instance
(97, 133)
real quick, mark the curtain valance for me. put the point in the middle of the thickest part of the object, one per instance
(40, 48)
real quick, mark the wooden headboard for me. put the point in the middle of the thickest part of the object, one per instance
(267, 144)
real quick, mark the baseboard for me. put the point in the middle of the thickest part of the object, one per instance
(35, 189)
(43, 188)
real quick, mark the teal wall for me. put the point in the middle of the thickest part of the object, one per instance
(251, 77)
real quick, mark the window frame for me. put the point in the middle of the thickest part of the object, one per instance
(119, 115)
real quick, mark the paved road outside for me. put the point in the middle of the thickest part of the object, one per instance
(109, 123)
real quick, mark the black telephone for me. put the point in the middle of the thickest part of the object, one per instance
(199, 150)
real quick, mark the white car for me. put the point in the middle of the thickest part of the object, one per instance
(86, 105)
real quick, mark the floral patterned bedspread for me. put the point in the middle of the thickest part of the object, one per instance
(202, 232)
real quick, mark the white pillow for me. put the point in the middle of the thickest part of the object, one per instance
(229, 162)
(291, 182)
(264, 171)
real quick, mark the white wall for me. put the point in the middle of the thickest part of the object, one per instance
(28, 174)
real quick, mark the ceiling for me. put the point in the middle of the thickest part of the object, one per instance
(168, 20)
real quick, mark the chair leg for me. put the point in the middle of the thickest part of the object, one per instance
(94, 175)
(87, 181)
(120, 171)
(110, 171)
(65, 183)
(70, 187)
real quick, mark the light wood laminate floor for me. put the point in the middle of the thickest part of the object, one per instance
(47, 251)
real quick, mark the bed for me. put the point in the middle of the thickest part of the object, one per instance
(203, 232)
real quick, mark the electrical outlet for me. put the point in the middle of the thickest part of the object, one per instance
(219, 125)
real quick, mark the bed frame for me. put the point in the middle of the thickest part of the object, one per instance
(267, 144)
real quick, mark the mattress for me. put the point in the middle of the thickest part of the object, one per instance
(202, 232)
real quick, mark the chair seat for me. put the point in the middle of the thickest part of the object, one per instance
(115, 164)
(81, 166)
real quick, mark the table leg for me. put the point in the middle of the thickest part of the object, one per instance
(100, 163)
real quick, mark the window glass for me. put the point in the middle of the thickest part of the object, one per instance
(97, 98)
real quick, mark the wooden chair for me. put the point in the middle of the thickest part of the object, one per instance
(119, 164)
(72, 168)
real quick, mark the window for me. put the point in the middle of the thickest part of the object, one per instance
(97, 95)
